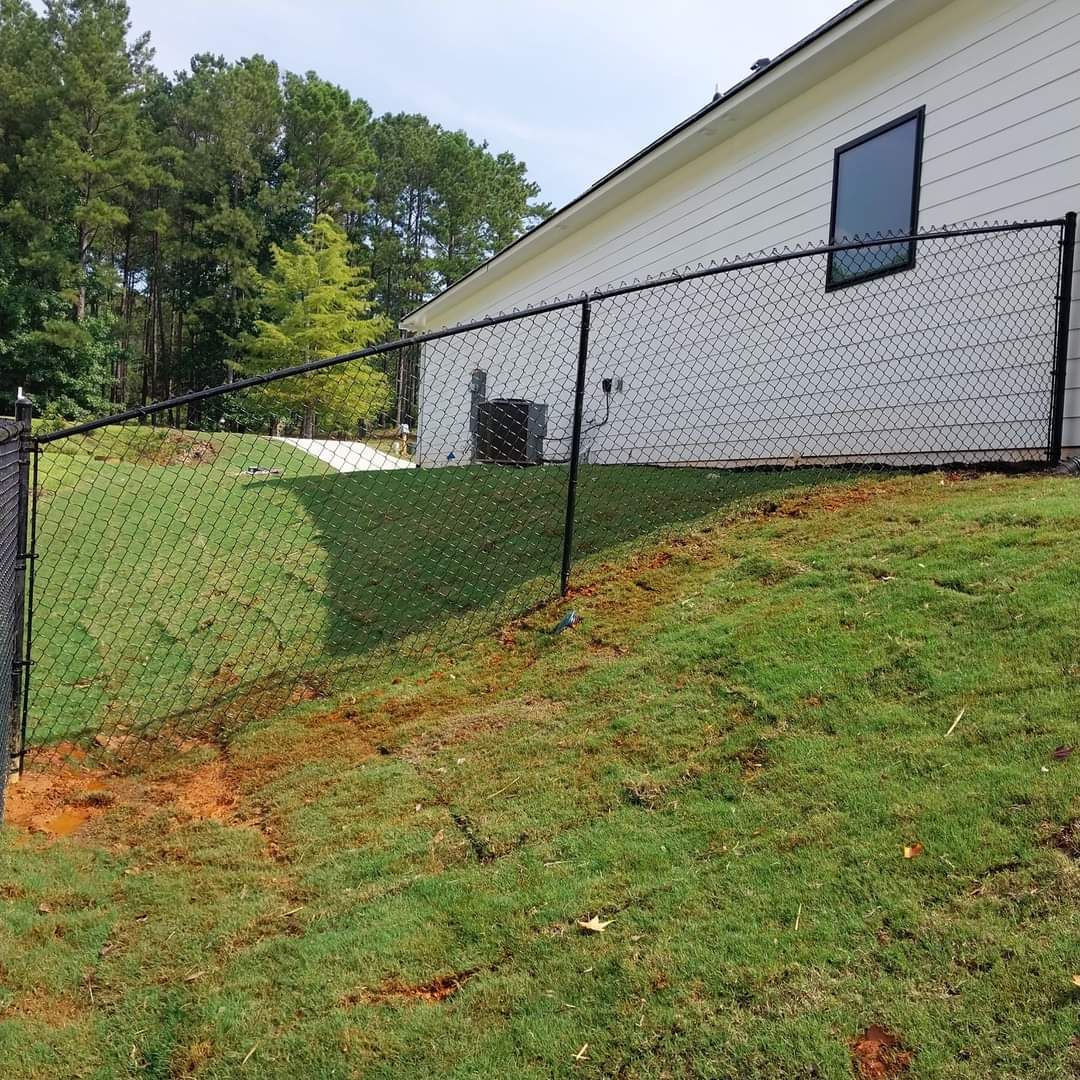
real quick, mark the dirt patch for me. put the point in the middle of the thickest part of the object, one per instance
(205, 794)
(644, 793)
(879, 1054)
(753, 760)
(1066, 838)
(59, 796)
(51, 796)
(816, 501)
(56, 1010)
(393, 990)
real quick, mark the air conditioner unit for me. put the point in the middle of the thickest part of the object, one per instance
(510, 431)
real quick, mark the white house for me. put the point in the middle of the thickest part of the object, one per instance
(894, 115)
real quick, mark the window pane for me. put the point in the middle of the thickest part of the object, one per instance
(874, 193)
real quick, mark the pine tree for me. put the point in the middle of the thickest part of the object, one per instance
(91, 152)
(327, 147)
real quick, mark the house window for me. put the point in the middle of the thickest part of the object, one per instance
(876, 193)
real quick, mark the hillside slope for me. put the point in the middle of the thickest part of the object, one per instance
(724, 763)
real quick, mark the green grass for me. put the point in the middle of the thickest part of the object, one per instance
(172, 585)
(725, 759)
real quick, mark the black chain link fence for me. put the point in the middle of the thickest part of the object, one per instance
(14, 483)
(210, 559)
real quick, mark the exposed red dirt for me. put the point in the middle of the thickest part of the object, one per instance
(393, 990)
(59, 796)
(879, 1054)
(816, 501)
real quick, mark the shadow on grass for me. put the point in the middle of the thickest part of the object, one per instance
(314, 583)
(450, 553)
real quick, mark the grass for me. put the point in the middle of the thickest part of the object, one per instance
(726, 759)
(172, 583)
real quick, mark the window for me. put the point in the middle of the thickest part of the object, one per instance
(876, 193)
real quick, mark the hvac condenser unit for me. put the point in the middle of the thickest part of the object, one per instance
(510, 431)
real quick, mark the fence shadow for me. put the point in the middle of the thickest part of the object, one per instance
(448, 554)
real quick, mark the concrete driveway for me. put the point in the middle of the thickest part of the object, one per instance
(346, 457)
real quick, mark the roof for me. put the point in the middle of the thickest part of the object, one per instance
(904, 13)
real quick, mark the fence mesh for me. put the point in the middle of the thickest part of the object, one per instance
(208, 562)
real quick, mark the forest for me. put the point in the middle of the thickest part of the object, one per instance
(166, 232)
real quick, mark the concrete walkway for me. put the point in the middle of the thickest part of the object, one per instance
(346, 457)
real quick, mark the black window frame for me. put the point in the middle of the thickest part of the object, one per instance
(919, 116)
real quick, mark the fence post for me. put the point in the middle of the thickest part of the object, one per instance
(1061, 351)
(12, 749)
(575, 446)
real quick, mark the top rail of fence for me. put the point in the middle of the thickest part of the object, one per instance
(143, 411)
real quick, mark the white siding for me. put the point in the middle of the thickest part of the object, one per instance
(999, 79)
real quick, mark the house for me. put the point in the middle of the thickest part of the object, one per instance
(896, 115)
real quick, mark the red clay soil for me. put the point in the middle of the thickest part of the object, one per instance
(58, 795)
(878, 1054)
(429, 993)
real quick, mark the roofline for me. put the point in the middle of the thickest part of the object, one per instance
(719, 100)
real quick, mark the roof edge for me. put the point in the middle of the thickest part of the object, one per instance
(410, 321)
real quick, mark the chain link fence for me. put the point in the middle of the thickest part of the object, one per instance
(207, 560)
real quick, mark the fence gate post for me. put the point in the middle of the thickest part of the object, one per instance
(575, 446)
(1061, 352)
(14, 515)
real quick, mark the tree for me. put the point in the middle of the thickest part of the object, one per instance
(139, 211)
(69, 160)
(317, 305)
(221, 123)
(442, 204)
(327, 147)
(91, 151)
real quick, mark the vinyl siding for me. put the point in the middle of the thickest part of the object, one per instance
(1002, 142)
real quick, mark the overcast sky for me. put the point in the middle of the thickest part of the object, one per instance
(572, 88)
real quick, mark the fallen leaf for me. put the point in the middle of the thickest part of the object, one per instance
(1076, 980)
(1062, 752)
(913, 851)
(595, 925)
(44, 909)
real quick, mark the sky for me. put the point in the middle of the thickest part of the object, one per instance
(571, 88)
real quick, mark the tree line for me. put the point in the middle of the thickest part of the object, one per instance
(161, 233)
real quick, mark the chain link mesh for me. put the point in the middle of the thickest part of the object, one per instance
(211, 561)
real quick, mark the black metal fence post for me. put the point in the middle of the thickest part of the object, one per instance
(575, 446)
(14, 554)
(24, 411)
(1061, 352)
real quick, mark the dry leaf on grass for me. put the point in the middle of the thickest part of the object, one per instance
(913, 851)
(1076, 980)
(595, 925)
(1062, 752)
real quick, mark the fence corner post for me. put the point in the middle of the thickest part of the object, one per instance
(1061, 345)
(15, 549)
(575, 447)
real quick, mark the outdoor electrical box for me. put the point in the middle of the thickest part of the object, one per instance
(510, 431)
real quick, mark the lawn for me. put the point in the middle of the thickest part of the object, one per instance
(725, 762)
(176, 588)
